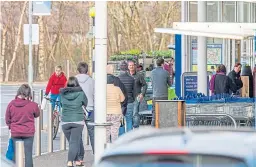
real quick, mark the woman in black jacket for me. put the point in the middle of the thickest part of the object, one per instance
(235, 77)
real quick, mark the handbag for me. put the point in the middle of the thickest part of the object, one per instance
(121, 128)
(86, 114)
(10, 150)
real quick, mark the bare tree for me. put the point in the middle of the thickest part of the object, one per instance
(41, 53)
(63, 33)
(14, 55)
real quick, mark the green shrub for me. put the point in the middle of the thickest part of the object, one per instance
(132, 54)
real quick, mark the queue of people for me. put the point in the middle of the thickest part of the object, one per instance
(125, 92)
(221, 83)
(76, 96)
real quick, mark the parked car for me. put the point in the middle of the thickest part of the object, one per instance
(182, 147)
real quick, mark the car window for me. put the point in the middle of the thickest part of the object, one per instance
(171, 161)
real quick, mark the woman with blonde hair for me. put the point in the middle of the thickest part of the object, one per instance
(114, 111)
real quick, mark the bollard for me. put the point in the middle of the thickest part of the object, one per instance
(38, 136)
(33, 95)
(86, 136)
(19, 153)
(50, 140)
(41, 96)
(62, 140)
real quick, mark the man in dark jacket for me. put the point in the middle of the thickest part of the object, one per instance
(128, 82)
(234, 75)
(160, 82)
(140, 91)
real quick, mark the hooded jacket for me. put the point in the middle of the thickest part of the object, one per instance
(55, 83)
(20, 117)
(72, 99)
(87, 84)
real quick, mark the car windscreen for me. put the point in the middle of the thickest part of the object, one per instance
(171, 161)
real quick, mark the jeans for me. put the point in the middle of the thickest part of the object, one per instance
(136, 116)
(153, 122)
(28, 147)
(90, 129)
(73, 133)
(55, 97)
(129, 117)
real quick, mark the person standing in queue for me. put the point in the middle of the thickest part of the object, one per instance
(73, 99)
(234, 75)
(87, 84)
(20, 118)
(115, 97)
(160, 82)
(128, 82)
(140, 86)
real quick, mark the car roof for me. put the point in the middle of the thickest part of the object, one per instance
(213, 141)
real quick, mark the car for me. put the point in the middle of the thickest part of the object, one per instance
(182, 147)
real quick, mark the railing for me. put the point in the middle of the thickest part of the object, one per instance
(210, 120)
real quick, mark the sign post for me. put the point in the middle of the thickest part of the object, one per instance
(189, 83)
(30, 59)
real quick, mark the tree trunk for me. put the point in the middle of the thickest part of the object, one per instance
(2, 55)
(14, 55)
(41, 54)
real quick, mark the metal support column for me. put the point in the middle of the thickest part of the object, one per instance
(62, 141)
(202, 52)
(30, 59)
(100, 76)
(184, 18)
(50, 136)
(40, 97)
(38, 135)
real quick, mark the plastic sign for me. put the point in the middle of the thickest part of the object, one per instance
(41, 8)
(35, 34)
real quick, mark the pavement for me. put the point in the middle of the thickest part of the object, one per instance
(56, 159)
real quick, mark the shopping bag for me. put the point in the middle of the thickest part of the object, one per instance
(121, 128)
(43, 104)
(10, 150)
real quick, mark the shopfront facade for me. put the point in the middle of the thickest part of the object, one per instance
(220, 51)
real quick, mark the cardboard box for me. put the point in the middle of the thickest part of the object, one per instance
(245, 89)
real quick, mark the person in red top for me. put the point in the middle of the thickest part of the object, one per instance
(57, 80)
(20, 118)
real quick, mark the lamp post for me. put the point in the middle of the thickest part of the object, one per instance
(100, 77)
(92, 41)
(30, 58)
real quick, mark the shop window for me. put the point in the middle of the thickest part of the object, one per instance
(229, 11)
